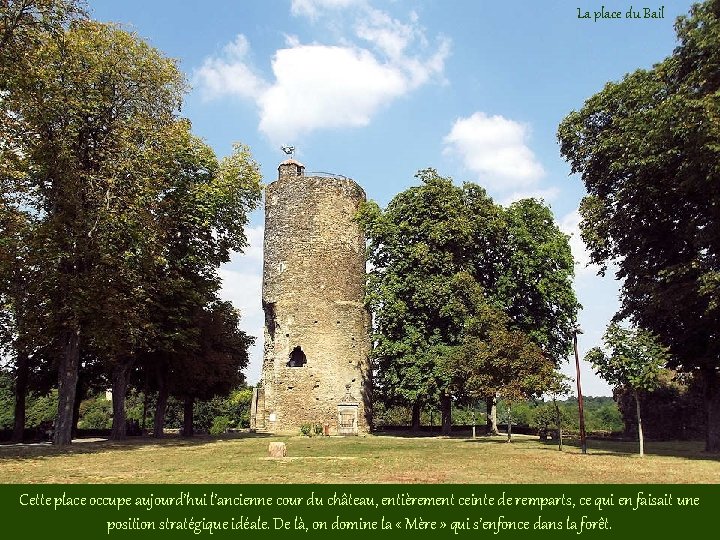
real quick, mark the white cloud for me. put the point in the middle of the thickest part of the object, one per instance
(389, 35)
(229, 74)
(237, 49)
(494, 148)
(319, 86)
(327, 86)
(395, 39)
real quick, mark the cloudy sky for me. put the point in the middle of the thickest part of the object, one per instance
(376, 90)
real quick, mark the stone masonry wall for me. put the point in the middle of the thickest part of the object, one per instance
(313, 287)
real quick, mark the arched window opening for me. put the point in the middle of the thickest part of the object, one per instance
(297, 358)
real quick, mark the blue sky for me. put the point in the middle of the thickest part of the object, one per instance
(376, 90)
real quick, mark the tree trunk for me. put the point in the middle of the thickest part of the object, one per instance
(80, 391)
(67, 386)
(558, 416)
(188, 417)
(509, 423)
(446, 409)
(162, 399)
(160, 409)
(641, 440)
(120, 376)
(416, 416)
(711, 380)
(21, 384)
(491, 407)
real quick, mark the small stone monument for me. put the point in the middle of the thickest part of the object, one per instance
(277, 450)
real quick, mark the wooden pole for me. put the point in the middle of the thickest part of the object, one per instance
(583, 439)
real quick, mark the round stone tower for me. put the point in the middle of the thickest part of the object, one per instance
(316, 360)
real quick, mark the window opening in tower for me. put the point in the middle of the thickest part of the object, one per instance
(297, 358)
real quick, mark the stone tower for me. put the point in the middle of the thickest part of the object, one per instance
(316, 360)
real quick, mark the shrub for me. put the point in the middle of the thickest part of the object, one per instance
(220, 425)
(95, 413)
(7, 399)
(41, 410)
(545, 419)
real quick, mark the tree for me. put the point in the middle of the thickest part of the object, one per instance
(201, 220)
(648, 150)
(635, 360)
(420, 247)
(215, 366)
(137, 210)
(92, 100)
(439, 251)
(496, 360)
(24, 26)
(551, 414)
(672, 410)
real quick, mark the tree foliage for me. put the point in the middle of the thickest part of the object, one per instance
(25, 24)
(635, 358)
(648, 150)
(215, 366)
(494, 359)
(534, 277)
(115, 217)
(442, 254)
(420, 246)
(93, 103)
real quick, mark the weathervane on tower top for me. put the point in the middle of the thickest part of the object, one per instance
(289, 150)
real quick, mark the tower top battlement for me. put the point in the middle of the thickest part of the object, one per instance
(290, 168)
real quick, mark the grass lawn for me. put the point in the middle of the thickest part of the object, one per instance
(372, 459)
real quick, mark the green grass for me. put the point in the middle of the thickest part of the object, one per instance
(371, 459)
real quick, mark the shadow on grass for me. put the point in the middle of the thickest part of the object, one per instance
(408, 434)
(32, 451)
(691, 450)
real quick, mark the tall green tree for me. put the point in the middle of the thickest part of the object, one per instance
(634, 360)
(419, 246)
(440, 251)
(92, 100)
(25, 25)
(214, 367)
(648, 150)
(201, 220)
(494, 359)
(534, 278)
(116, 216)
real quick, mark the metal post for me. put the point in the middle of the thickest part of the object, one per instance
(583, 440)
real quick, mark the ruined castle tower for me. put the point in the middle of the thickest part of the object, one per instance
(316, 360)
